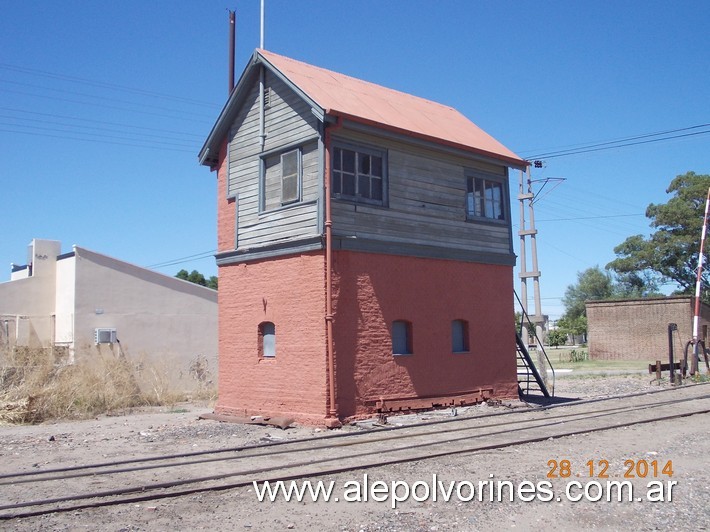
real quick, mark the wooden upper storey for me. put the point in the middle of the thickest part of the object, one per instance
(396, 187)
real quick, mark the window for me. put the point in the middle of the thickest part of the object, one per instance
(281, 178)
(267, 340)
(401, 338)
(459, 336)
(359, 174)
(484, 198)
(290, 166)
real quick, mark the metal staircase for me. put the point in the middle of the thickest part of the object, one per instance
(530, 381)
(529, 378)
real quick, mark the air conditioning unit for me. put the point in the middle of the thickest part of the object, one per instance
(105, 336)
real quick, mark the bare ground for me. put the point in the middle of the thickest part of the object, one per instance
(177, 429)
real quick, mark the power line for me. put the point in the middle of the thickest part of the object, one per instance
(623, 142)
(72, 128)
(590, 217)
(93, 139)
(103, 122)
(105, 85)
(178, 114)
(189, 258)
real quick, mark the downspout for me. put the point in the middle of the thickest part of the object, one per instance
(262, 82)
(331, 420)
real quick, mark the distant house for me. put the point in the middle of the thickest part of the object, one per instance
(82, 302)
(637, 329)
(365, 253)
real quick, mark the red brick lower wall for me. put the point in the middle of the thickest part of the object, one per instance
(290, 292)
(372, 290)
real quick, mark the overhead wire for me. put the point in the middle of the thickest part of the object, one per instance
(623, 142)
(181, 260)
(102, 84)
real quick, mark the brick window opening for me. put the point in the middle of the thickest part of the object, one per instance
(267, 340)
(459, 336)
(401, 337)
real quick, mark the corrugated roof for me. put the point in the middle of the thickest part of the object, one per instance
(339, 94)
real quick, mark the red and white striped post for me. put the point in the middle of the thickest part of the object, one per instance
(696, 317)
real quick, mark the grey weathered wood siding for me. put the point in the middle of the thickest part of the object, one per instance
(289, 123)
(427, 202)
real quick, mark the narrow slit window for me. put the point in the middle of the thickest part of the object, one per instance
(267, 340)
(459, 336)
(401, 338)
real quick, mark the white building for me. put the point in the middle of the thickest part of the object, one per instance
(83, 302)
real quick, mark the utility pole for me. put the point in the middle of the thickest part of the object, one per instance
(525, 193)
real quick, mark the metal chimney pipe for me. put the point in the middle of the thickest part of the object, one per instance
(232, 45)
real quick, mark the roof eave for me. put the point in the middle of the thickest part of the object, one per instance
(513, 162)
(210, 149)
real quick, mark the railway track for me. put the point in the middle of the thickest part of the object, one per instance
(157, 477)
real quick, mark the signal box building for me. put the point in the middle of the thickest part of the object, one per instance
(365, 251)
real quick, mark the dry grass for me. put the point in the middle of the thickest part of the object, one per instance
(34, 388)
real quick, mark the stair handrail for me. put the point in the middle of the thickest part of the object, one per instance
(524, 316)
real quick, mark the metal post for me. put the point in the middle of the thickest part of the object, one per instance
(698, 282)
(671, 327)
(232, 45)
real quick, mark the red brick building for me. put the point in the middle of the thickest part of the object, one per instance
(637, 329)
(365, 250)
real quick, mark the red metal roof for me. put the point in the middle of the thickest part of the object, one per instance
(366, 102)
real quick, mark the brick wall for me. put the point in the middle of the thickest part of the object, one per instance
(290, 292)
(372, 290)
(638, 329)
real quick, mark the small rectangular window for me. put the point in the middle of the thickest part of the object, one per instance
(484, 198)
(401, 338)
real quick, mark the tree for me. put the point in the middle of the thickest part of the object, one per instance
(592, 284)
(671, 252)
(196, 277)
(557, 337)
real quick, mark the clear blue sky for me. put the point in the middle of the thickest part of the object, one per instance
(105, 105)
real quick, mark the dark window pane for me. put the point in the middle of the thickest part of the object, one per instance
(401, 338)
(376, 191)
(337, 176)
(337, 155)
(364, 163)
(376, 166)
(349, 161)
(363, 186)
(459, 336)
(348, 185)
